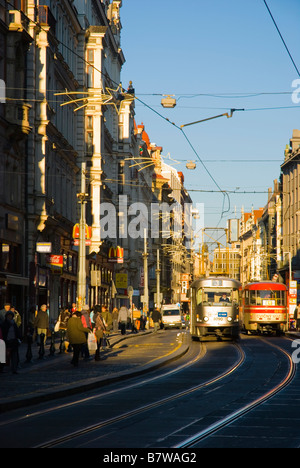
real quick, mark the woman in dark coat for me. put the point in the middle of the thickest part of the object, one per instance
(12, 337)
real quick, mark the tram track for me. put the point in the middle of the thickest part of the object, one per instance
(231, 382)
(194, 440)
(154, 405)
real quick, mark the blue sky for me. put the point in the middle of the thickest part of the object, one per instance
(214, 56)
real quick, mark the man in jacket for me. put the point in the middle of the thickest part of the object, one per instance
(41, 322)
(3, 312)
(156, 317)
(76, 333)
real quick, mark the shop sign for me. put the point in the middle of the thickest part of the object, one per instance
(121, 280)
(44, 247)
(76, 234)
(56, 263)
(116, 255)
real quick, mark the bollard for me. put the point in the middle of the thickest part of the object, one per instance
(52, 344)
(42, 346)
(29, 345)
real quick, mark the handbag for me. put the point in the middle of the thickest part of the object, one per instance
(92, 342)
(57, 325)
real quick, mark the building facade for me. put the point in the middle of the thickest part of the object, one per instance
(69, 145)
(290, 208)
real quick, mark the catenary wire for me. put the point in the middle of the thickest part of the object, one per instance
(284, 43)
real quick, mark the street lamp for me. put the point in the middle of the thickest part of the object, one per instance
(168, 101)
(81, 279)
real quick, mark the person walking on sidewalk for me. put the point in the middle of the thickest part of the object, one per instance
(107, 318)
(87, 323)
(297, 317)
(115, 315)
(99, 332)
(62, 324)
(122, 318)
(12, 338)
(3, 311)
(156, 317)
(41, 323)
(77, 334)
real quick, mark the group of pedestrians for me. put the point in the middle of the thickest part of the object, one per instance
(99, 322)
(82, 332)
(76, 327)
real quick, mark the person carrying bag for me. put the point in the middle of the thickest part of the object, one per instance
(100, 329)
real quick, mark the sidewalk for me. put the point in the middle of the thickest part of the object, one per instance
(53, 376)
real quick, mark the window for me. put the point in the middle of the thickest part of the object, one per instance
(90, 68)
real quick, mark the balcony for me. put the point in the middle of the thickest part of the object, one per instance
(18, 22)
(46, 18)
(17, 114)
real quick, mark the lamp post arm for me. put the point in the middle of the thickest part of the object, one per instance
(214, 117)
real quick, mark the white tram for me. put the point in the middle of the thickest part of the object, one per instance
(215, 308)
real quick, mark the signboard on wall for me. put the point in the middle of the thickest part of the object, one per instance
(121, 280)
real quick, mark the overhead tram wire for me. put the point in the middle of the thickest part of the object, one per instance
(224, 192)
(284, 43)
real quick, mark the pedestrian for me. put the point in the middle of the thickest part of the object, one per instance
(3, 311)
(122, 319)
(17, 316)
(100, 329)
(297, 316)
(41, 323)
(156, 317)
(12, 337)
(77, 334)
(73, 308)
(115, 315)
(87, 323)
(2, 352)
(143, 320)
(62, 328)
(107, 317)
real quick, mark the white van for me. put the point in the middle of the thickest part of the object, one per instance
(171, 316)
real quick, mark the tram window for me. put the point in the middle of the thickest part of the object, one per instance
(267, 298)
(253, 298)
(235, 295)
(217, 296)
(199, 296)
(247, 301)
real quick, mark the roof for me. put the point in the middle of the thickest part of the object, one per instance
(266, 285)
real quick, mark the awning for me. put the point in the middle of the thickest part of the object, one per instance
(17, 280)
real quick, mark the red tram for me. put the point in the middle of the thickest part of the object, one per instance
(264, 308)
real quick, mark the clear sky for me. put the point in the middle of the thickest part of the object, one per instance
(214, 56)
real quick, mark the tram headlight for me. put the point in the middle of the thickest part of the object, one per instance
(206, 319)
(229, 319)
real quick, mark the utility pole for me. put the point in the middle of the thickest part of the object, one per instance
(81, 278)
(158, 301)
(146, 292)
